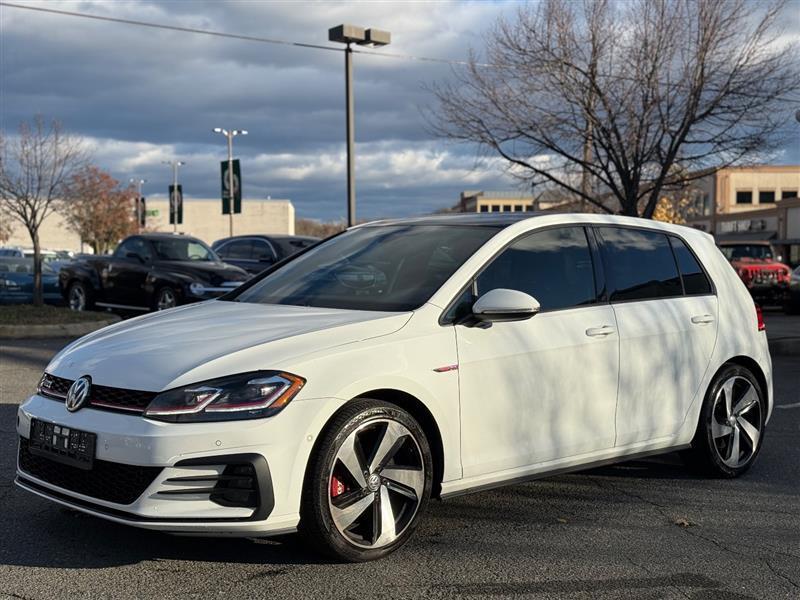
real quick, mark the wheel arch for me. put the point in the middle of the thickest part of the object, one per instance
(752, 366)
(417, 409)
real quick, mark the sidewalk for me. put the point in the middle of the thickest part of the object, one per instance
(783, 332)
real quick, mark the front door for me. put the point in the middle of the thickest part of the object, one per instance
(127, 272)
(544, 388)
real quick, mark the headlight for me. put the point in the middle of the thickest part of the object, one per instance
(196, 288)
(245, 396)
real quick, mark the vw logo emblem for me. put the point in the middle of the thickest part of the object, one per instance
(78, 393)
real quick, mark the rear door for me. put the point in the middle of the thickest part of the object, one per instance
(667, 320)
(544, 388)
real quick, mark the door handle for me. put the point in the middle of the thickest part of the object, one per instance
(600, 331)
(702, 319)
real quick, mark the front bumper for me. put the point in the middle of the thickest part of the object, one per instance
(184, 463)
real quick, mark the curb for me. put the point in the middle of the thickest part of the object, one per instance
(19, 332)
(785, 346)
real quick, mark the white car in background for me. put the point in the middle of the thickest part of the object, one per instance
(404, 360)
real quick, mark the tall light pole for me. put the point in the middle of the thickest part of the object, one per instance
(173, 199)
(138, 183)
(231, 192)
(351, 34)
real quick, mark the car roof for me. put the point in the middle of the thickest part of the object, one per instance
(163, 236)
(462, 219)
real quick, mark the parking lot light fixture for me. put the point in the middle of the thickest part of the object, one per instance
(348, 35)
(230, 135)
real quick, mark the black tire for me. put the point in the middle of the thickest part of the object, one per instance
(163, 292)
(76, 290)
(359, 418)
(706, 454)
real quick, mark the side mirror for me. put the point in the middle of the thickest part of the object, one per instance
(505, 305)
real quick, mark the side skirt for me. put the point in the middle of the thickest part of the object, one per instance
(562, 470)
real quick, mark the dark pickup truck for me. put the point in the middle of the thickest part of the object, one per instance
(151, 271)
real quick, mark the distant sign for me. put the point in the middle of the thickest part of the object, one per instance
(237, 188)
(175, 205)
(141, 211)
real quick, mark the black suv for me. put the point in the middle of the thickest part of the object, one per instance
(254, 253)
(150, 271)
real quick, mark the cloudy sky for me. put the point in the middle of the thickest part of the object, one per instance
(143, 95)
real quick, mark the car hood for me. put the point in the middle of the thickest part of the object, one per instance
(212, 339)
(214, 273)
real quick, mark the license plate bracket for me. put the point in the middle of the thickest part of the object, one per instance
(63, 444)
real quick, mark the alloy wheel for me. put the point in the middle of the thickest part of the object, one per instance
(376, 483)
(736, 422)
(77, 298)
(166, 299)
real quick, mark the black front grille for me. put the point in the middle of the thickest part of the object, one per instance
(102, 397)
(109, 481)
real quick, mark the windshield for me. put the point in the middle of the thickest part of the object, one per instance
(386, 268)
(739, 251)
(182, 249)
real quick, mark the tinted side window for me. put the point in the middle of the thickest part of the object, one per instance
(554, 266)
(694, 279)
(236, 249)
(262, 250)
(135, 246)
(639, 264)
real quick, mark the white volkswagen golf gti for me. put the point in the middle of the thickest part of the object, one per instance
(400, 361)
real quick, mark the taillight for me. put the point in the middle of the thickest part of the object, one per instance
(760, 317)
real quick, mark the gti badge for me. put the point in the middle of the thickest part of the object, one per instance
(78, 393)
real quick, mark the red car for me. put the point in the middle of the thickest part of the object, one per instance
(765, 276)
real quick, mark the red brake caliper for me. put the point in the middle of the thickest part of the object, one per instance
(337, 487)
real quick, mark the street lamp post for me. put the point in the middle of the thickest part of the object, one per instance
(348, 35)
(138, 183)
(173, 200)
(231, 194)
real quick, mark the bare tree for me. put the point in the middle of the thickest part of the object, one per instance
(35, 168)
(98, 209)
(612, 100)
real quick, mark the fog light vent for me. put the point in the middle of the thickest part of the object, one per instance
(236, 486)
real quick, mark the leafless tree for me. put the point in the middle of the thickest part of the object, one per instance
(614, 99)
(35, 168)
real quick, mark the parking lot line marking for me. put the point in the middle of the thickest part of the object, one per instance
(795, 405)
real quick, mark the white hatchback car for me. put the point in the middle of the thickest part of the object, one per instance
(402, 360)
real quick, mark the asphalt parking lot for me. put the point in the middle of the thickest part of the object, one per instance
(646, 529)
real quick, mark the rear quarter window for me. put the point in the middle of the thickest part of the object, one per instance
(695, 281)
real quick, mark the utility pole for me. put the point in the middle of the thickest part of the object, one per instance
(138, 183)
(351, 136)
(231, 191)
(173, 199)
(373, 38)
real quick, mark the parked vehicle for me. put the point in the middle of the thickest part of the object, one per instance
(400, 361)
(254, 253)
(756, 264)
(792, 306)
(16, 282)
(18, 252)
(151, 271)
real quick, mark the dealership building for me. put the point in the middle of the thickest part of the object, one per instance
(202, 218)
(751, 204)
